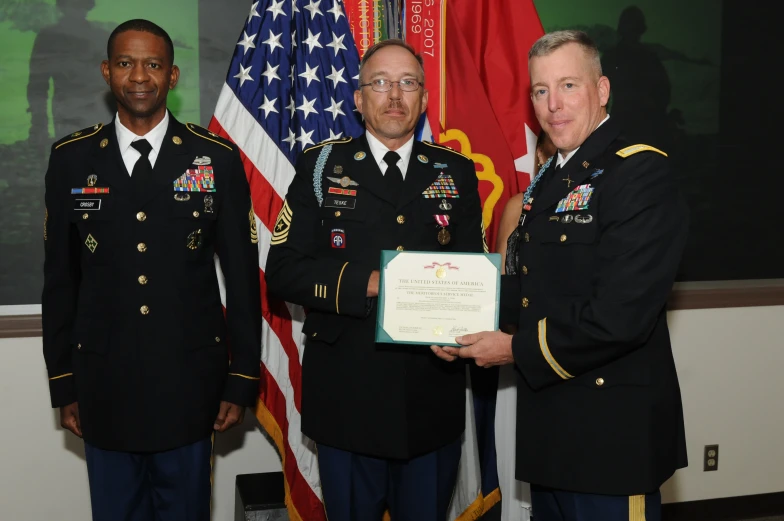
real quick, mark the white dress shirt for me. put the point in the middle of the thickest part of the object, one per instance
(379, 150)
(154, 137)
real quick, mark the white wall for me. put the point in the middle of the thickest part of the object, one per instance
(42, 470)
(729, 363)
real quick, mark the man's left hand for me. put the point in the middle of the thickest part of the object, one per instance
(229, 415)
(488, 349)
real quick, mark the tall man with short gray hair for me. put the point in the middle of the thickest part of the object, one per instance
(596, 250)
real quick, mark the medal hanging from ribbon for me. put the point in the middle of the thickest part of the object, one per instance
(443, 234)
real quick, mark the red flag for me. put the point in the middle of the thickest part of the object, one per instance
(488, 114)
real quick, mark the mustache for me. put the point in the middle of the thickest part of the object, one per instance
(396, 105)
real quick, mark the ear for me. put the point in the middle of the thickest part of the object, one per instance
(424, 101)
(604, 90)
(174, 77)
(105, 71)
(358, 100)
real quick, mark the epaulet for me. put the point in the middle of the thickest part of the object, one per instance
(320, 144)
(445, 147)
(630, 151)
(79, 134)
(208, 135)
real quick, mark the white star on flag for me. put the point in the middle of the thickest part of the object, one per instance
(273, 40)
(337, 43)
(335, 109)
(312, 41)
(310, 74)
(313, 7)
(253, 13)
(336, 76)
(307, 107)
(276, 9)
(268, 106)
(244, 74)
(271, 73)
(247, 42)
(337, 12)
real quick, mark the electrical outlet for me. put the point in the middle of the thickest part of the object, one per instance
(711, 459)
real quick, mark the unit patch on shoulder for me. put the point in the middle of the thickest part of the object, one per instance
(282, 225)
(629, 151)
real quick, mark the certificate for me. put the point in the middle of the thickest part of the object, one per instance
(431, 297)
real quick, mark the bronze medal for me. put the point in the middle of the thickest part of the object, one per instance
(444, 237)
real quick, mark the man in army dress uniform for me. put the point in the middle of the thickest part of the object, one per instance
(135, 339)
(600, 237)
(387, 418)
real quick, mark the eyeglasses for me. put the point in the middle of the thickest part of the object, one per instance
(383, 85)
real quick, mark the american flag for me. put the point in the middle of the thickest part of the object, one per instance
(290, 85)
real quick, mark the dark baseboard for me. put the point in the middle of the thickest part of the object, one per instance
(726, 509)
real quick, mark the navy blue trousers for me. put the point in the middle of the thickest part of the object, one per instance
(160, 486)
(361, 488)
(549, 504)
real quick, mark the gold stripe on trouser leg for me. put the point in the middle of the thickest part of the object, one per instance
(636, 508)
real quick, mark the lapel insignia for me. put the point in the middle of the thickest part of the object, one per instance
(176, 140)
(104, 143)
(202, 161)
(422, 158)
(359, 156)
(91, 243)
(344, 181)
(577, 199)
(199, 179)
(442, 187)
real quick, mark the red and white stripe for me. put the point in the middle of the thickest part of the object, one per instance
(269, 174)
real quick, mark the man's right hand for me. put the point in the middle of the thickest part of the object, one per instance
(372, 289)
(69, 418)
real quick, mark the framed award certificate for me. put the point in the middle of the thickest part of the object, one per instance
(432, 297)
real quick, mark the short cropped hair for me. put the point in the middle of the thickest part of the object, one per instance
(557, 39)
(145, 26)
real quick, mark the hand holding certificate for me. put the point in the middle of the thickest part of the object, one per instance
(431, 297)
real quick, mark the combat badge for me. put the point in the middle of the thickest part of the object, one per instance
(282, 225)
(202, 161)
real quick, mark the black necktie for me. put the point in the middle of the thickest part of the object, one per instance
(142, 170)
(393, 177)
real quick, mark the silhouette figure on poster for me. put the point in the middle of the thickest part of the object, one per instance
(640, 85)
(68, 54)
